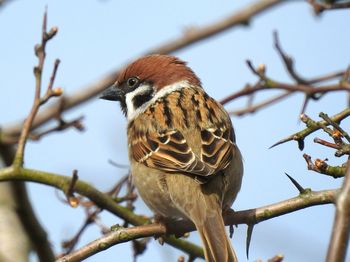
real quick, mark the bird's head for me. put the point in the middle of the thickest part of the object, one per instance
(147, 79)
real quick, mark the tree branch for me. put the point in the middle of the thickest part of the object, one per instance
(238, 18)
(63, 183)
(266, 83)
(41, 54)
(35, 232)
(340, 235)
(320, 166)
(252, 216)
(310, 87)
(312, 126)
(253, 108)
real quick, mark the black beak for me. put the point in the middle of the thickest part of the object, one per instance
(113, 93)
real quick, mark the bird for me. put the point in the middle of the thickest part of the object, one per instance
(182, 148)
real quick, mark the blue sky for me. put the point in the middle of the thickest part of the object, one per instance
(96, 37)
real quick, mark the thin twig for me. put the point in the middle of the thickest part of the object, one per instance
(306, 86)
(253, 108)
(91, 216)
(313, 126)
(40, 53)
(325, 143)
(62, 125)
(50, 92)
(69, 245)
(320, 166)
(288, 61)
(266, 83)
(326, 118)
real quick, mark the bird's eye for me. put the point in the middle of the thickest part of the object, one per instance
(132, 82)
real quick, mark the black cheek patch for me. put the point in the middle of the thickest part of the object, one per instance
(140, 99)
(123, 106)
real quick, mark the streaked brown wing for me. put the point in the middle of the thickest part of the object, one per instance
(170, 152)
(217, 147)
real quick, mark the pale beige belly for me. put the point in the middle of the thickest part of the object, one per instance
(153, 189)
(173, 195)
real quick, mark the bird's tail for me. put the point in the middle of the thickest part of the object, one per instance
(202, 205)
(217, 245)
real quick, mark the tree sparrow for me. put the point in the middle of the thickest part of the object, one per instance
(184, 159)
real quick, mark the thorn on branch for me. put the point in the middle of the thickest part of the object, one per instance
(249, 238)
(296, 184)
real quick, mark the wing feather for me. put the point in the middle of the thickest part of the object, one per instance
(170, 152)
(167, 149)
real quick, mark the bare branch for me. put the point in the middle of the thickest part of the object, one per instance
(252, 216)
(238, 18)
(320, 166)
(40, 53)
(119, 235)
(52, 92)
(288, 61)
(312, 126)
(69, 245)
(340, 235)
(266, 83)
(308, 87)
(326, 118)
(319, 6)
(253, 108)
(62, 125)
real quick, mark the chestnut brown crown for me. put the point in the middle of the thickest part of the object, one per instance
(160, 71)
